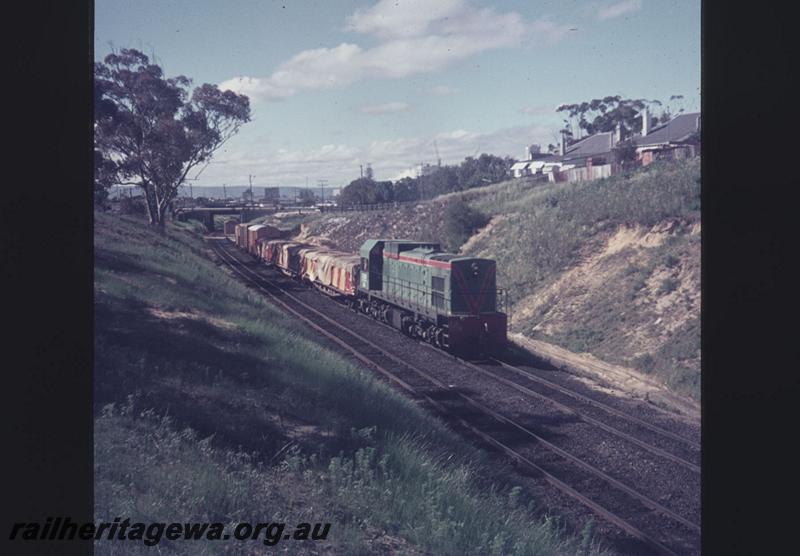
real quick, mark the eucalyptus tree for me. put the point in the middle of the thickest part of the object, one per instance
(151, 131)
(605, 114)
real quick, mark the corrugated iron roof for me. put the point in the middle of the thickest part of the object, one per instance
(599, 143)
(677, 129)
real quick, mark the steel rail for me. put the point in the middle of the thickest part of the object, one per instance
(613, 518)
(589, 420)
(600, 405)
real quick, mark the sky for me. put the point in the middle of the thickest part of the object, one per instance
(336, 84)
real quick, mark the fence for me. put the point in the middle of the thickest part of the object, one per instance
(371, 207)
(588, 173)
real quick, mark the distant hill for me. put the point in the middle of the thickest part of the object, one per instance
(288, 192)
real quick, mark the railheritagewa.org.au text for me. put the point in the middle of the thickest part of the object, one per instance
(63, 528)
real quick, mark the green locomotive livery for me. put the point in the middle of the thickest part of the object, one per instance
(446, 299)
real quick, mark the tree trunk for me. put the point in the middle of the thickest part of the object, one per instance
(162, 210)
(152, 213)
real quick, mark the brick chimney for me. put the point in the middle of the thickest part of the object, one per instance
(563, 147)
(617, 134)
(645, 122)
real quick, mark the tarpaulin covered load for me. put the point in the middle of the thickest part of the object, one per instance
(270, 250)
(308, 257)
(261, 247)
(288, 256)
(333, 269)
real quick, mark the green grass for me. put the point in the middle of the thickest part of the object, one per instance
(227, 411)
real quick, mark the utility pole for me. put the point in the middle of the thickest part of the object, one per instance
(322, 184)
(420, 182)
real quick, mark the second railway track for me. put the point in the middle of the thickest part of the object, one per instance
(656, 526)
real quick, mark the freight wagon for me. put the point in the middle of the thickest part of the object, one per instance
(256, 232)
(229, 227)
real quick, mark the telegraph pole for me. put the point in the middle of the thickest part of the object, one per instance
(322, 184)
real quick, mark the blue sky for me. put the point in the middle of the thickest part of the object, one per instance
(338, 83)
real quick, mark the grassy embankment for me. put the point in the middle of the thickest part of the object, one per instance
(609, 267)
(212, 406)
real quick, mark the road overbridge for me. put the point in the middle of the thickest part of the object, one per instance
(206, 214)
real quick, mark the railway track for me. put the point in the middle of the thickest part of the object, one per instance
(528, 379)
(621, 505)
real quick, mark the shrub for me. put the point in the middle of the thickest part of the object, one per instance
(669, 285)
(645, 363)
(132, 205)
(460, 222)
(672, 261)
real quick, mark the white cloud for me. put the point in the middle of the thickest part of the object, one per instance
(414, 37)
(402, 18)
(384, 108)
(617, 9)
(546, 32)
(255, 88)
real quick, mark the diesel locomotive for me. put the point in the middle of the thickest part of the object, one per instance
(448, 300)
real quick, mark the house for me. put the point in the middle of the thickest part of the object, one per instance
(534, 164)
(589, 158)
(678, 138)
(594, 156)
(593, 150)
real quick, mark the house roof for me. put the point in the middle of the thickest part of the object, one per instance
(677, 129)
(599, 143)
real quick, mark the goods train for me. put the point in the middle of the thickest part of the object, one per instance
(447, 300)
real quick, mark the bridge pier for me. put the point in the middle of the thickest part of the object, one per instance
(208, 220)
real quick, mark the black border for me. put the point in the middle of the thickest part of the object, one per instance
(750, 384)
(46, 215)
